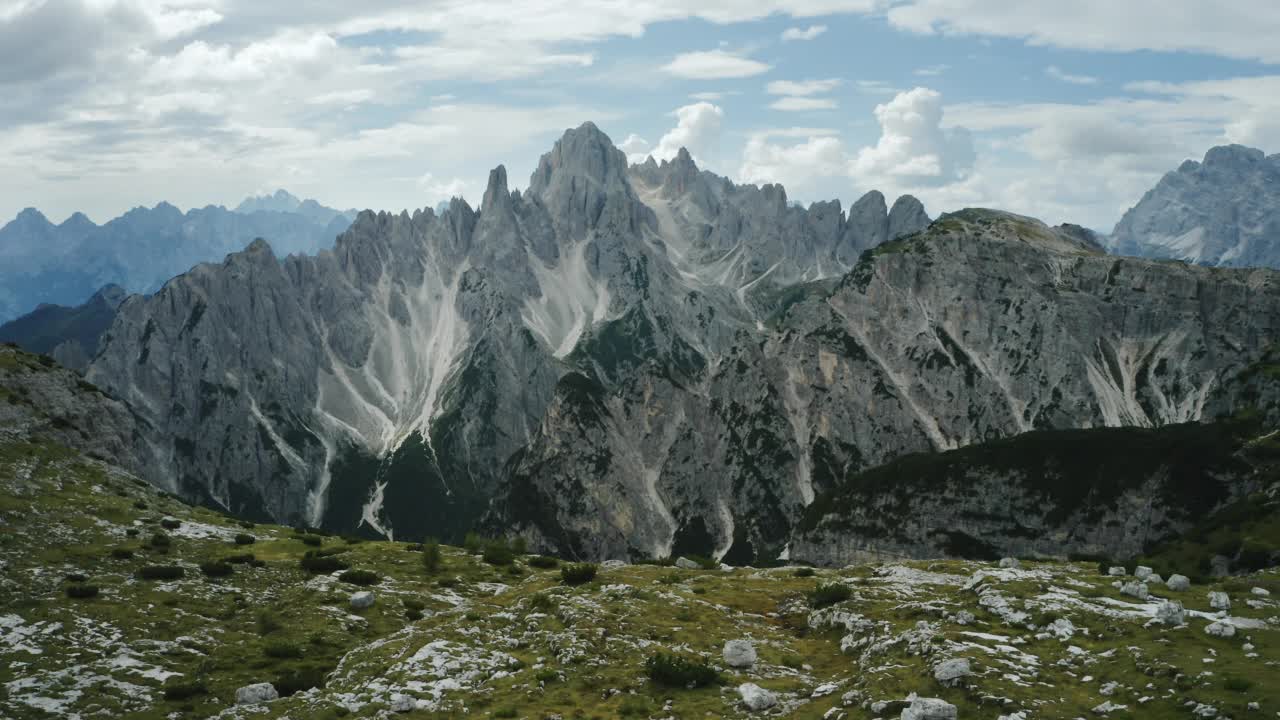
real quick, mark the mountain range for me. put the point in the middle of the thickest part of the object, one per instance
(651, 360)
(64, 264)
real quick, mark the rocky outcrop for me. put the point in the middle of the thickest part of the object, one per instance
(651, 360)
(1224, 211)
(69, 334)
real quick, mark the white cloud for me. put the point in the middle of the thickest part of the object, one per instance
(913, 147)
(634, 146)
(876, 87)
(805, 168)
(1244, 29)
(803, 87)
(697, 129)
(932, 70)
(802, 104)
(1058, 73)
(808, 33)
(435, 191)
(712, 96)
(714, 65)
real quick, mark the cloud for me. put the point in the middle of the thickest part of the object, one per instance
(803, 87)
(712, 96)
(876, 87)
(714, 65)
(805, 168)
(1057, 73)
(801, 104)
(1244, 29)
(932, 70)
(913, 147)
(435, 191)
(698, 128)
(808, 33)
(634, 146)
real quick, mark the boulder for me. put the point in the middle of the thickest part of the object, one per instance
(1178, 583)
(256, 693)
(1117, 571)
(1107, 707)
(824, 690)
(1155, 579)
(929, 709)
(403, 704)
(1170, 612)
(687, 564)
(1135, 589)
(1221, 629)
(361, 600)
(1062, 628)
(1109, 689)
(964, 617)
(951, 673)
(1261, 592)
(1204, 711)
(756, 698)
(1142, 572)
(1010, 563)
(613, 564)
(1219, 601)
(739, 654)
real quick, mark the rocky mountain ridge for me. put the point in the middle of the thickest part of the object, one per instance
(650, 360)
(1224, 211)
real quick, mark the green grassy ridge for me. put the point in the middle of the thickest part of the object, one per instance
(575, 651)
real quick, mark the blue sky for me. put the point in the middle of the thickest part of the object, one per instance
(1065, 111)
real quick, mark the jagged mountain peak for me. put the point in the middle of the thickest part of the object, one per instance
(279, 201)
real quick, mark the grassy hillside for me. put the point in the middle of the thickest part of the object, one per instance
(515, 641)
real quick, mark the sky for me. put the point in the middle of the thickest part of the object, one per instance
(1066, 111)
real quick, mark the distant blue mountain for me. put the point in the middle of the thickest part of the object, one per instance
(43, 263)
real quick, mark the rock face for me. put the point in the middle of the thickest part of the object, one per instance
(739, 654)
(256, 693)
(653, 361)
(69, 334)
(1224, 211)
(43, 263)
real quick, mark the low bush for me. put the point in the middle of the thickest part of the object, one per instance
(497, 552)
(432, 558)
(519, 545)
(508, 711)
(1254, 556)
(170, 523)
(121, 553)
(140, 505)
(76, 577)
(161, 572)
(131, 532)
(546, 676)
(542, 602)
(216, 568)
(670, 578)
(413, 615)
(805, 572)
(295, 680)
(1238, 684)
(281, 650)
(473, 542)
(322, 564)
(176, 689)
(267, 623)
(240, 559)
(352, 539)
(414, 604)
(360, 577)
(414, 547)
(80, 591)
(578, 573)
(448, 582)
(310, 540)
(160, 540)
(678, 672)
(545, 562)
(829, 594)
(247, 525)
(245, 539)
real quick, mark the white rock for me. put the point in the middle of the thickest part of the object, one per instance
(929, 709)
(1221, 629)
(756, 698)
(1117, 571)
(1205, 711)
(1219, 601)
(951, 673)
(1062, 628)
(256, 693)
(1109, 689)
(824, 690)
(1254, 706)
(1261, 592)
(1010, 563)
(1155, 579)
(403, 704)
(1170, 612)
(1142, 572)
(1135, 589)
(361, 600)
(1178, 583)
(964, 617)
(1107, 707)
(739, 654)
(1015, 716)
(613, 564)
(687, 564)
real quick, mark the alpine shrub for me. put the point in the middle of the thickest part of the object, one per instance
(829, 594)
(216, 568)
(81, 591)
(322, 564)
(431, 557)
(677, 672)
(161, 572)
(245, 539)
(545, 562)
(578, 573)
(360, 577)
(497, 552)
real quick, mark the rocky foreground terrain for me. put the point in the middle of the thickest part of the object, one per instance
(118, 600)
